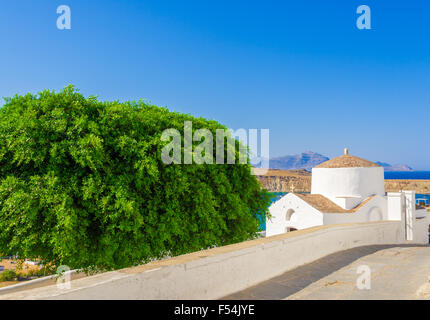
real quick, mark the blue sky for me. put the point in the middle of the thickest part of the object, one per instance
(300, 68)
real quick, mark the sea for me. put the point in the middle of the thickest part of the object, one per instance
(406, 175)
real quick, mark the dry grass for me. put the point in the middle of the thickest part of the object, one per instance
(11, 264)
(280, 173)
(7, 283)
(22, 271)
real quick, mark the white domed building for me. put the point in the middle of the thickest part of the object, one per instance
(345, 189)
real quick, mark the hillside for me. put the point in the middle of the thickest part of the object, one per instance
(309, 159)
(306, 160)
(396, 167)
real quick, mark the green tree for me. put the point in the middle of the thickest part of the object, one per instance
(82, 184)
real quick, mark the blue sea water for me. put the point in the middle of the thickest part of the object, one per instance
(409, 175)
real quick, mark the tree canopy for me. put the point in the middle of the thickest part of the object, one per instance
(82, 184)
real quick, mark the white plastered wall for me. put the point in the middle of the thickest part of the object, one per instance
(215, 273)
(374, 210)
(303, 215)
(358, 183)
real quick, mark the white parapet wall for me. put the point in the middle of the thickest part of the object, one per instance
(215, 273)
(421, 229)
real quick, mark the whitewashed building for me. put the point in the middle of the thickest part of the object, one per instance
(346, 189)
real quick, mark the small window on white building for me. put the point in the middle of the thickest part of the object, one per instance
(289, 214)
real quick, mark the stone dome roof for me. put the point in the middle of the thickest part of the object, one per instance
(347, 161)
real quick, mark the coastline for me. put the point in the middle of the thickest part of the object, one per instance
(300, 181)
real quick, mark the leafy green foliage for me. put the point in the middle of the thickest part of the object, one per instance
(7, 275)
(82, 184)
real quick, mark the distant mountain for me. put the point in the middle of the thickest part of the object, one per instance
(396, 167)
(306, 160)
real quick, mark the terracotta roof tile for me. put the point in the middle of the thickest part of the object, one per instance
(325, 205)
(347, 161)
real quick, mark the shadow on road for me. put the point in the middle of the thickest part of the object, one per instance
(297, 279)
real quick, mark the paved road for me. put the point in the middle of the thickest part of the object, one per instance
(396, 272)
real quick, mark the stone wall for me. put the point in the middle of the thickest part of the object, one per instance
(218, 272)
(419, 186)
(293, 182)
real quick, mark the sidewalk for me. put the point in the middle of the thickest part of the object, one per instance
(397, 272)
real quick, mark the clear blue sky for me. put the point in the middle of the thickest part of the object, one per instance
(300, 68)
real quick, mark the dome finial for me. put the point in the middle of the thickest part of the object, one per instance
(345, 151)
